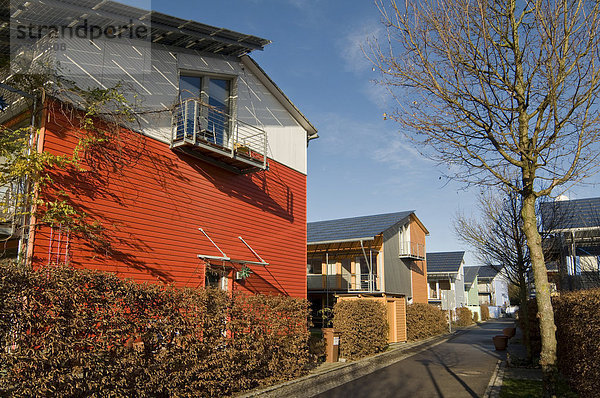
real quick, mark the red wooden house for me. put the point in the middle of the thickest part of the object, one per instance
(211, 185)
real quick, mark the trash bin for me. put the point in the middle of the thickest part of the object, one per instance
(332, 344)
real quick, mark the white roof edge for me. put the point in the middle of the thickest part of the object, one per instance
(324, 242)
(281, 97)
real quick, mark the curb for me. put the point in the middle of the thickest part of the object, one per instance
(320, 382)
(495, 384)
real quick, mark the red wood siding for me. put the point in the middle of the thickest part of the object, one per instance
(153, 205)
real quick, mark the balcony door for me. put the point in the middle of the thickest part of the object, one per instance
(208, 115)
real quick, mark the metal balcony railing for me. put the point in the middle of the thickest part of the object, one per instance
(207, 132)
(348, 282)
(412, 250)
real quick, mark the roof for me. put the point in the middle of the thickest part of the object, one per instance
(353, 228)
(446, 262)
(571, 214)
(164, 29)
(471, 274)
(487, 272)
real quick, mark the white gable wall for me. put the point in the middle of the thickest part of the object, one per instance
(108, 64)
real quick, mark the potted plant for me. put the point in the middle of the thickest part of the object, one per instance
(500, 342)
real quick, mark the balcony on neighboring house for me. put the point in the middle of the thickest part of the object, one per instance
(412, 250)
(204, 131)
(343, 283)
(484, 288)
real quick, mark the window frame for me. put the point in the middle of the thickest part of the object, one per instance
(205, 78)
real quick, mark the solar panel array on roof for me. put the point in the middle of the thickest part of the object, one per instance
(487, 272)
(470, 274)
(444, 261)
(165, 29)
(567, 214)
(353, 228)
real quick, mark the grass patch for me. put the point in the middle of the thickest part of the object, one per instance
(516, 388)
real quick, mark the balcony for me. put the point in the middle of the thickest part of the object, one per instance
(412, 250)
(345, 283)
(203, 131)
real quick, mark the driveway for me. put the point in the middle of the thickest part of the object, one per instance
(460, 367)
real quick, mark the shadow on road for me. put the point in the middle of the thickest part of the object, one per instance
(459, 367)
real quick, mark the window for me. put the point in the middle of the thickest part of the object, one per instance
(314, 266)
(216, 278)
(206, 108)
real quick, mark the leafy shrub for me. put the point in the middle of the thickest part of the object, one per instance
(424, 320)
(364, 327)
(316, 346)
(485, 312)
(463, 316)
(67, 332)
(578, 333)
(533, 324)
(475, 317)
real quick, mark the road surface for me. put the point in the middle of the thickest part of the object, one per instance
(460, 367)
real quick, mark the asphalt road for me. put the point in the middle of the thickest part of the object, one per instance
(460, 367)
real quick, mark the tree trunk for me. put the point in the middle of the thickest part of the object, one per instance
(542, 292)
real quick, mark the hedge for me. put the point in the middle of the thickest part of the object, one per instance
(464, 317)
(67, 332)
(485, 312)
(364, 327)
(577, 318)
(424, 320)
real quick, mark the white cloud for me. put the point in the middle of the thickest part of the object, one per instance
(376, 142)
(352, 44)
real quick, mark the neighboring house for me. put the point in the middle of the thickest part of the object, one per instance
(571, 232)
(472, 290)
(445, 278)
(493, 287)
(212, 184)
(372, 256)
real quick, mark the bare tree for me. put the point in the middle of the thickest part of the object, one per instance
(498, 241)
(500, 90)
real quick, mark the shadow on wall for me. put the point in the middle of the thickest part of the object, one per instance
(81, 189)
(256, 283)
(270, 194)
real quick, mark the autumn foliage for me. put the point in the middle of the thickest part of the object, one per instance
(67, 332)
(464, 317)
(424, 320)
(578, 334)
(364, 327)
(485, 312)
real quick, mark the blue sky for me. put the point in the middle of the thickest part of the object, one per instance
(362, 164)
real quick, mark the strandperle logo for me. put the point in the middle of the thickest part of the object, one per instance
(83, 30)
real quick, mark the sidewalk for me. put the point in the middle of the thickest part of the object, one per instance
(510, 368)
(331, 375)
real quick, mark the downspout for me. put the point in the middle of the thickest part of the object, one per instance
(32, 221)
(368, 263)
(327, 278)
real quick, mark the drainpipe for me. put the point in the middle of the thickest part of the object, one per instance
(368, 263)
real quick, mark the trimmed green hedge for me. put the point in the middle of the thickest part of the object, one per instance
(67, 332)
(364, 327)
(424, 320)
